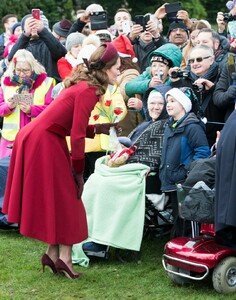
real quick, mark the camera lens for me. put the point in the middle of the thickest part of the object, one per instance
(176, 74)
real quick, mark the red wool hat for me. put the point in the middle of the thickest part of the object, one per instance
(124, 47)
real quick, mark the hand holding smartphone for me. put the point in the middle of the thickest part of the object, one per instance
(36, 15)
(142, 20)
(126, 27)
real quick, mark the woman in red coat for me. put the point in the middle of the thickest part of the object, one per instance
(45, 182)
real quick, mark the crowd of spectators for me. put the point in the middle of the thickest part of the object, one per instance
(189, 57)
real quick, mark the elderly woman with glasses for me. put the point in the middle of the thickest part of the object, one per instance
(25, 92)
(202, 78)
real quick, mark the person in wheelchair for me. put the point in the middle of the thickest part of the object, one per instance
(114, 198)
(184, 141)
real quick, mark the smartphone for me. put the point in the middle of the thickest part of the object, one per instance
(160, 74)
(126, 27)
(142, 20)
(138, 19)
(36, 13)
(146, 18)
(98, 20)
(172, 9)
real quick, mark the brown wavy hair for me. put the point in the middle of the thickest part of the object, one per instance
(94, 77)
(126, 63)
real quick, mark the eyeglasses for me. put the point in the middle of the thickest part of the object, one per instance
(104, 37)
(198, 59)
(25, 71)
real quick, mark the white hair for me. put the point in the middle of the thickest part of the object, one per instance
(24, 55)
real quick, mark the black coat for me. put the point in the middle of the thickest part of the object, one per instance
(143, 50)
(220, 97)
(225, 198)
(213, 113)
(47, 50)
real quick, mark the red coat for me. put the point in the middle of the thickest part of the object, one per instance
(41, 194)
(64, 68)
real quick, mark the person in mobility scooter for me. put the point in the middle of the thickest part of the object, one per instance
(214, 251)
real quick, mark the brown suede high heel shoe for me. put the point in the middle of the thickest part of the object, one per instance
(47, 261)
(62, 268)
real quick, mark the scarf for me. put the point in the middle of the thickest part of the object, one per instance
(209, 74)
(24, 84)
(70, 58)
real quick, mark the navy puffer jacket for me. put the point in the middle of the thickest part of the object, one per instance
(182, 144)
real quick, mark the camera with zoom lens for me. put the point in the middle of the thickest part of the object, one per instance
(229, 17)
(179, 74)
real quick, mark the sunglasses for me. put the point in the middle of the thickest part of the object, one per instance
(198, 59)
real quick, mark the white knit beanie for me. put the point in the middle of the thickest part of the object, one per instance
(181, 97)
(74, 38)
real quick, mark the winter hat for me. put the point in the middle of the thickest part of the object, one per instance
(177, 24)
(91, 39)
(14, 26)
(94, 8)
(104, 35)
(183, 96)
(169, 51)
(62, 28)
(85, 52)
(44, 19)
(161, 88)
(153, 94)
(162, 60)
(74, 38)
(124, 47)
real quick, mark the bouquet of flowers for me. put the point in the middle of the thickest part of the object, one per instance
(114, 115)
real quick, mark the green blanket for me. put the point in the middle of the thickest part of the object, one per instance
(114, 199)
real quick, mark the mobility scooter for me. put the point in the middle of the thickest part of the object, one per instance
(204, 254)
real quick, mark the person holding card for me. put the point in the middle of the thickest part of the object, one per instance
(25, 92)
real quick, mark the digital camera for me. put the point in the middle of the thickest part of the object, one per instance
(179, 74)
(229, 17)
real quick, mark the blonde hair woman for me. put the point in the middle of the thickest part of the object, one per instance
(25, 92)
(192, 42)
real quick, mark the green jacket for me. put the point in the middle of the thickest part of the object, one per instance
(140, 84)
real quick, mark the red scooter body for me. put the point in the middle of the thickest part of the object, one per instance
(193, 258)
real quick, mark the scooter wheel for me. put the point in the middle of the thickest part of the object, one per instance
(177, 278)
(224, 276)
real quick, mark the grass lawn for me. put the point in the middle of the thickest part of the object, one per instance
(21, 276)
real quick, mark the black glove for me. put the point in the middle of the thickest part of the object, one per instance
(79, 181)
(105, 127)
